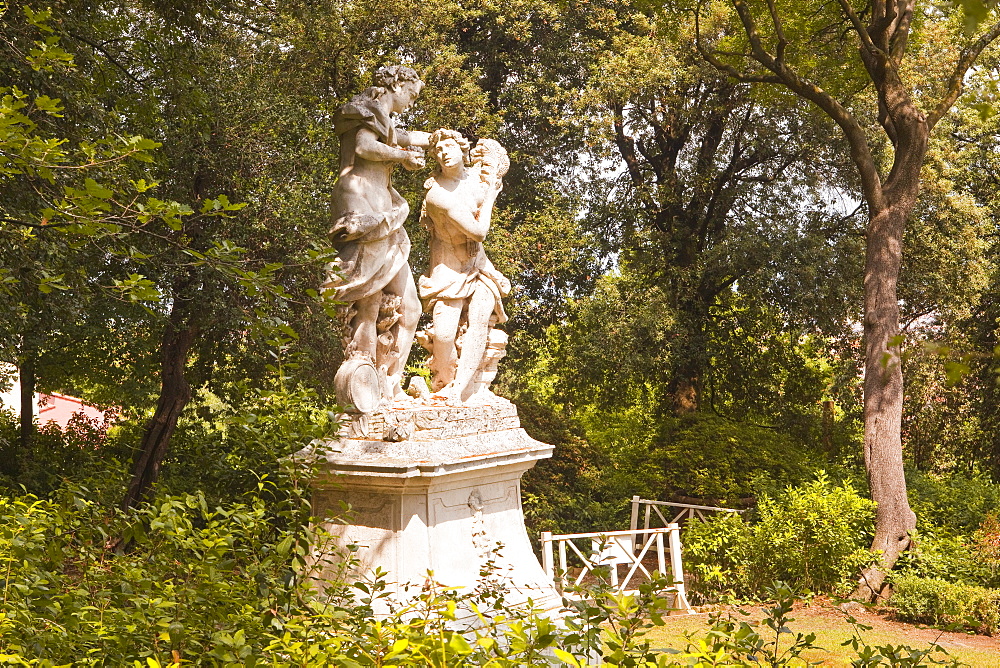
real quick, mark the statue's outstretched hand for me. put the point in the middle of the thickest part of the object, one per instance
(413, 161)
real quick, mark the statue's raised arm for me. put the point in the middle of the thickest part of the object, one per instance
(373, 274)
(463, 291)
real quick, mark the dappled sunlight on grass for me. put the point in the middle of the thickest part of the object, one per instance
(832, 628)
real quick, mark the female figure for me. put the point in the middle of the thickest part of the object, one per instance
(463, 291)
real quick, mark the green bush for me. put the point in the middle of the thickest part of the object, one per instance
(972, 559)
(741, 643)
(815, 537)
(222, 586)
(957, 503)
(86, 451)
(566, 493)
(949, 558)
(93, 586)
(935, 601)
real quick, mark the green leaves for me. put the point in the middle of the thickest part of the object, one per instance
(49, 282)
(138, 288)
(975, 12)
(22, 151)
(48, 105)
(566, 657)
(220, 205)
(47, 54)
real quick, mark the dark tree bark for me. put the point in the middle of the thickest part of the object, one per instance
(175, 393)
(10, 452)
(28, 381)
(890, 201)
(828, 427)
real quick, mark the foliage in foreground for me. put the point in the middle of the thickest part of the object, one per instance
(227, 584)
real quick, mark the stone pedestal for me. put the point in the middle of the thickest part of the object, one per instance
(435, 489)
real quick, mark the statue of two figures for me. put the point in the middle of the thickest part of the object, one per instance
(462, 290)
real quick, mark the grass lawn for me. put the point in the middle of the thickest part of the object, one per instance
(832, 628)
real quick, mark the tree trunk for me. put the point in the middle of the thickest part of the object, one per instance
(28, 381)
(10, 451)
(690, 352)
(175, 393)
(828, 419)
(882, 45)
(883, 384)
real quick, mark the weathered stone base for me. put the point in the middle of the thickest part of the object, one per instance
(445, 499)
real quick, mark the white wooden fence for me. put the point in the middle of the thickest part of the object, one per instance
(680, 512)
(570, 558)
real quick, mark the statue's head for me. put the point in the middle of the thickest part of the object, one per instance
(448, 145)
(394, 75)
(402, 83)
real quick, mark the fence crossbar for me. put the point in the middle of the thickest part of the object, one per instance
(674, 504)
(637, 561)
(688, 511)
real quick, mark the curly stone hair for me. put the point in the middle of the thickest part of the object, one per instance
(443, 134)
(394, 75)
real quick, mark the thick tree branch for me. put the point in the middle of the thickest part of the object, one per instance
(883, 15)
(111, 59)
(901, 30)
(859, 27)
(626, 145)
(871, 182)
(965, 60)
(35, 226)
(779, 50)
(712, 60)
(875, 58)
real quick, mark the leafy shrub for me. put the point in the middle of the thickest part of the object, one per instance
(222, 586)
(188, 577)
(740, 643)
(986, 544)
(947, 557)
(225, 449)
(84, 449)
(935, 601)
(221, 577)
(957, 503)
(625, 436)
(814, 537)
(708, 457)
(967, 559)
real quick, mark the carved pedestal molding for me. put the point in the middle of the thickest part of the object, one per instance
(435, 489)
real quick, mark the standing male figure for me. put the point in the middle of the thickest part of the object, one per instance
(382, 307)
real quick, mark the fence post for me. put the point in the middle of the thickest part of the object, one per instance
(547, 554)
(563, 565)
(660, 558)
(634, 521)
(677, 567)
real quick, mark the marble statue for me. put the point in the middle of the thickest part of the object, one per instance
(463, 291)
(433, 485)
(374, 278)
